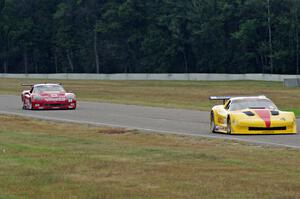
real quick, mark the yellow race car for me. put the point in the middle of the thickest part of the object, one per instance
(250, 115)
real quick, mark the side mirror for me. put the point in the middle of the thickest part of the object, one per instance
(26, 93)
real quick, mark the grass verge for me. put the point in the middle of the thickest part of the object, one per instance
(173, 94)
(42, 159)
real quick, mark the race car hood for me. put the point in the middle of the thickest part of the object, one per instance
(53, 94)
(265, 115)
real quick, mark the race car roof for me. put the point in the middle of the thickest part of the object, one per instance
(249, 97)
(226, 98)
(47, 84)
(236, 97)
(40, 84)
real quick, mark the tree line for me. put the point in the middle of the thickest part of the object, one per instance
(157, 36)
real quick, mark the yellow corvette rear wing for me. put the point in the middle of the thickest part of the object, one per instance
(223, 98)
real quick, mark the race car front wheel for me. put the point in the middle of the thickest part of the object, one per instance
(29, 107)
(212, 123)
(24, 105)
(228, 126)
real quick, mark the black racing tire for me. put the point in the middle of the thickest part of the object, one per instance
(212, 123)
(229, 130)
(24, 105)
(30, 105)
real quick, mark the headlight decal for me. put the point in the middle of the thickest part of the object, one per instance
(70, 98)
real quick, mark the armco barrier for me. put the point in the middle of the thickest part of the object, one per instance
(292, 82)
(143, 76)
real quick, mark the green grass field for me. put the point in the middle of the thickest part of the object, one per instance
(80, 161)
(174, 94)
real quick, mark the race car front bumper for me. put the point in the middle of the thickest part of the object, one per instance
(258, 127)
(53, 105)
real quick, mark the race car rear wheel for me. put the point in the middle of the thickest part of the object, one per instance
(212, 123)
(228, 126)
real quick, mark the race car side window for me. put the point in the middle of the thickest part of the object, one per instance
(227, 105)
(31, 90)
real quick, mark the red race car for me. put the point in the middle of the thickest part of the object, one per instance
(47, 96)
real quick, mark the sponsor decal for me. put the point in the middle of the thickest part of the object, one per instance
(54, 95)
(59, 99)
(220, 120)
(265, 115)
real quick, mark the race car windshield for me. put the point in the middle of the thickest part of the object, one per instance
(252, 104)
(48, 88)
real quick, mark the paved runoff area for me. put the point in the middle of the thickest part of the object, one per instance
(162, 120)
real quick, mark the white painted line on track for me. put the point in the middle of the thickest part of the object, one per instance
(148, 129)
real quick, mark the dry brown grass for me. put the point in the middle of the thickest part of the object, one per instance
(42, 159)
(113, 131)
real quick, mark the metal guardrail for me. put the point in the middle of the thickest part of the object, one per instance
(143, 76)
(292, 82)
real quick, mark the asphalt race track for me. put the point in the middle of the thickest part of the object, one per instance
(185, 122)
